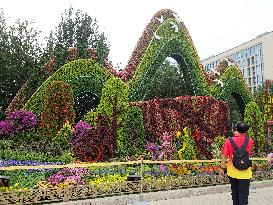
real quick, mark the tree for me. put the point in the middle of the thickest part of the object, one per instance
(76, 29)
(19, 56)
(168, 82)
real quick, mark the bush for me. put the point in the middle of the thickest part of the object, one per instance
(90, 117)
(63, 137)
(84, 140)
(42, 152)
(217, 146)
(2, 115)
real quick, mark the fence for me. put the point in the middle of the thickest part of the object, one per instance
(166, 181)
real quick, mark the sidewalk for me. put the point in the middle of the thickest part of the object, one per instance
(259, 196)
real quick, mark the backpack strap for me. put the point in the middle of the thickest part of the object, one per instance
(233, 143)
(235, 146)
(245, 143)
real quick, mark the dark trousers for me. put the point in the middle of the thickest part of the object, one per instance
(239, 191)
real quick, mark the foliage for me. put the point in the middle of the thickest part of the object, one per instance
(90, 117)
(2, 115)
(17, 122)
(58, 108)
(234, 86)
(71, 73)
(63, 137)
(85, 142)
(254, 118)
(20, 99)
(268, 100)
(19, 56)
(185, 146)
(114, 92)
(132, 138)
(42, 151)
(217, 146)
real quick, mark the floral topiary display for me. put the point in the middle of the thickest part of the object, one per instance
(170, 115)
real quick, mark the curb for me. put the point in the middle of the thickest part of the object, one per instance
(164, 195)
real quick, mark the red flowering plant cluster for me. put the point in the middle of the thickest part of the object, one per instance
(205, 116)
(58, 108)
(84, 142)
(92, 144)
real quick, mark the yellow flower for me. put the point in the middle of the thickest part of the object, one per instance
(185, 130)
(178, 134)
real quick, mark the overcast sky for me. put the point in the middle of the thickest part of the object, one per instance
(215, 25)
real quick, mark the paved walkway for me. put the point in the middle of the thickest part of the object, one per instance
(260, 196)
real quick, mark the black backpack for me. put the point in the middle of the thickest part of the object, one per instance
(241, 159)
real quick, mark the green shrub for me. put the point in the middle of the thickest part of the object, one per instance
(90, 117)
(132, 139)
(63, 137)
(253, 117)
(113, 107)
(217, 147)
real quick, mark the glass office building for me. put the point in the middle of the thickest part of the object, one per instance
(254, 58)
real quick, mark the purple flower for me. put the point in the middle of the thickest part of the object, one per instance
(5, 127)
(82, 134)
(18, 121)
(68, 174)
(22, 120)
(11, 162)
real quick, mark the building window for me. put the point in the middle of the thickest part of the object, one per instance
(249, 81)
(254, 80)
(248, 62)
(253, 70)
(252, 60)
(248, 71)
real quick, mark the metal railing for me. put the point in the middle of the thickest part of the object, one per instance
(167, 181)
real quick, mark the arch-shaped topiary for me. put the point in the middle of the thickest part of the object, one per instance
(172, 43)
(233, 85)
(95, 77)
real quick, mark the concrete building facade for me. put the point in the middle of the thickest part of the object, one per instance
(254, 58)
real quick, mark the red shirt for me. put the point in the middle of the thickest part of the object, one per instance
(228, 150)
(239, 139)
